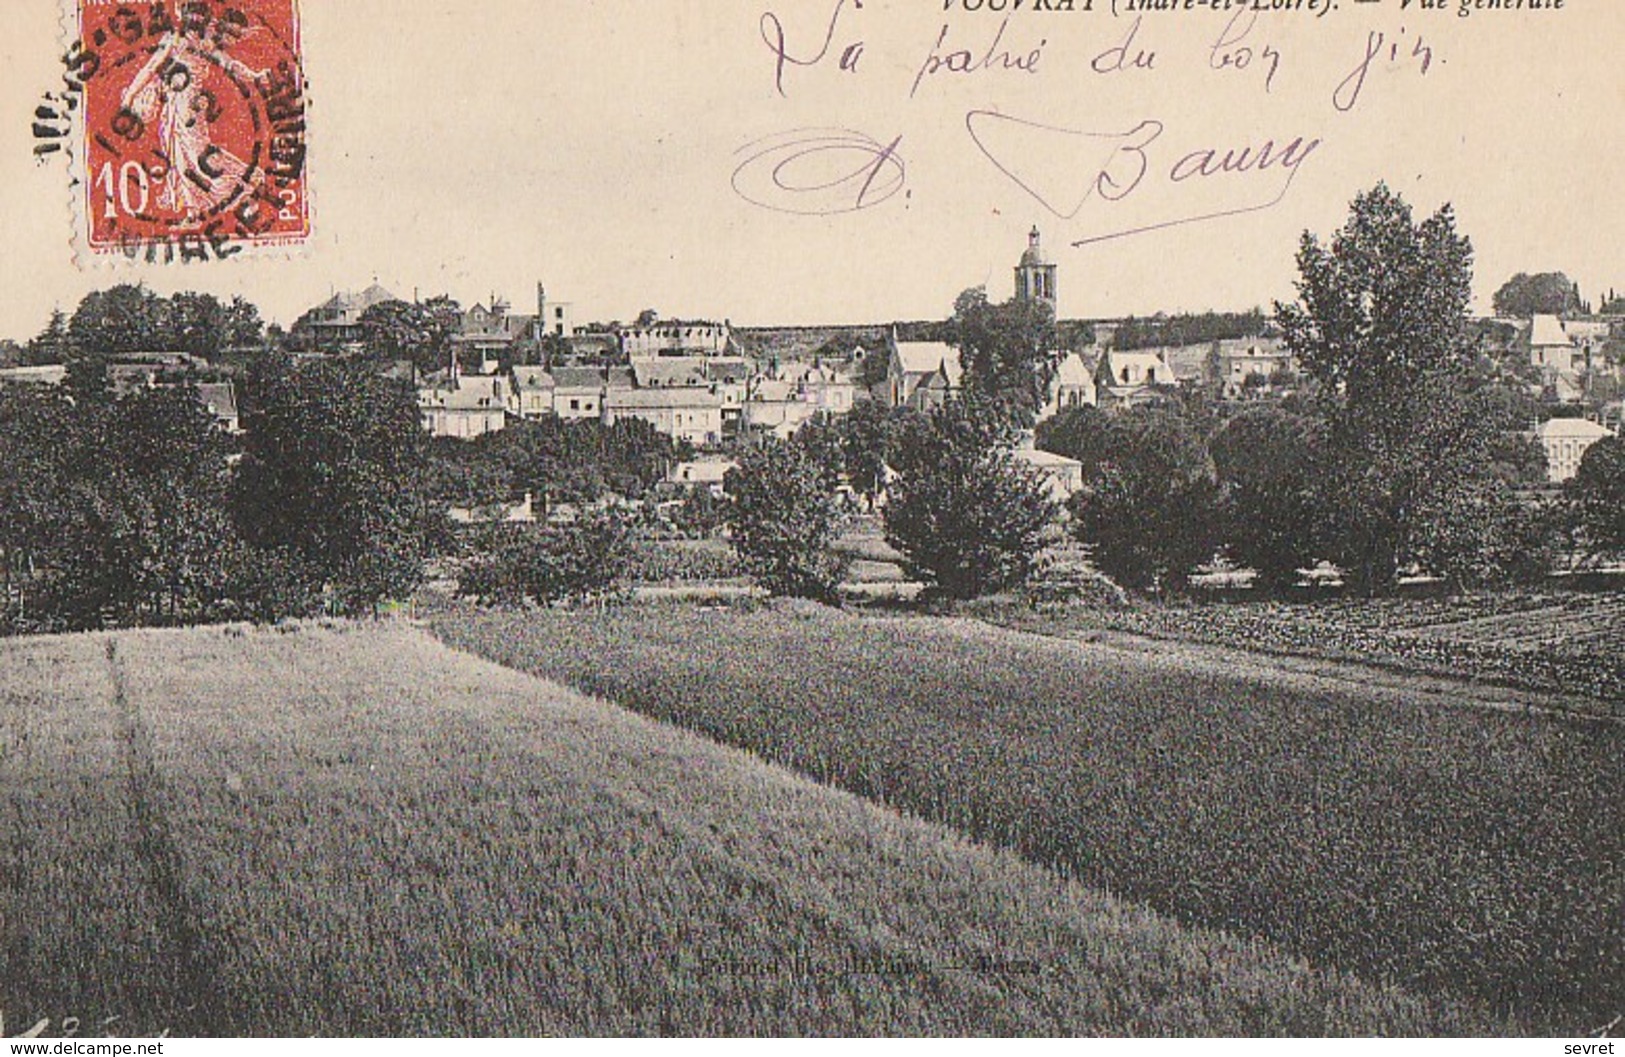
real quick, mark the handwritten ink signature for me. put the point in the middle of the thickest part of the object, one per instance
(819, 171)
(1115, 166)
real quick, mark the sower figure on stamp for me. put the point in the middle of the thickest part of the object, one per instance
(199, 176)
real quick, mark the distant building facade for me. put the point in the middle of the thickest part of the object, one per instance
(1565, 442)
(465, 406)
(921, 374)
(335, 324)
(677, 338)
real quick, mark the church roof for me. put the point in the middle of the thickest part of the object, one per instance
(1034, 257)
(927, 357)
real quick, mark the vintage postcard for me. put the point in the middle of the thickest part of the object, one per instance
(812, 517)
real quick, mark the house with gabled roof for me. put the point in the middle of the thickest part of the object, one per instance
(336, 322)
(1130, 378)
(533, 392)
(1550, 345)
(921, 374)
(465, 406)
(1073, 386)
(220, 398)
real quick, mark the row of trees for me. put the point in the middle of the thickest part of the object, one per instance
(552, 460)
(968, 517)
(131, 509)
(130, 318)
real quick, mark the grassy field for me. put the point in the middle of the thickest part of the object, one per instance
(1448, 849)
(359, 831)
(1558, 641)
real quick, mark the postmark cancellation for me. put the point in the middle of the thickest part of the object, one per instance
(185, 125)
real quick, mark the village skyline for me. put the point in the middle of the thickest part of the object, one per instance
(560, 155)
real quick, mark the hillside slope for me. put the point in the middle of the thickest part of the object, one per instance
(357, 830)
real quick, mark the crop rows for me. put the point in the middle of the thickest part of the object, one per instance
(353, 831)
(1441, 848)
(1556, 643)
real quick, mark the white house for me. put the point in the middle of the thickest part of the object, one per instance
(466, 406)
(707, 473)
(680, 412)
(533, 392)
(1565, 441)
(1128, 377)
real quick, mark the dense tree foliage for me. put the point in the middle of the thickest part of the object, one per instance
(114, 511)
(331, 474)
(583, 562)
(1596, 498)
(1381, 324)
(1186, 329)
(1009, 352)
(968, 518)
(784, 518)
(130, 318)
(51, 345)
(1148, 506)
(1548, 293)
(408, 330)
(552, 459)
(1269, 463)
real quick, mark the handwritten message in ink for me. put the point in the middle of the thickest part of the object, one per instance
(1129, 172)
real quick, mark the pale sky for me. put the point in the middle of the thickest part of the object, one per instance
(479, 146)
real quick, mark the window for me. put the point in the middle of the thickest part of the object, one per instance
(575, 405)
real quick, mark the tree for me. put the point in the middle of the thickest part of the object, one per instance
(1269, 463)
(1595, 497)
(332, 473)
(1548, 293)
(401, 330)
(1148, 504)
(1184, 329)
(151, 523)
(967, 517)
(1483, 535)
(1009, 352)
(51, 345)
(43, 453)
(244, 327)
(1381, 325)
(126, 318)
(114, 510)
(581, 563)
(868, 437)
(198, 324)
(784, 518)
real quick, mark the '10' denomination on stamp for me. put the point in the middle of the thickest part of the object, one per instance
(191, 129)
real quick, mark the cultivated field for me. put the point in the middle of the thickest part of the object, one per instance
(356, 830)
(1451, 849)
(1570, 642)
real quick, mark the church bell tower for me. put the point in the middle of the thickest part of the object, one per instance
(1035, 275)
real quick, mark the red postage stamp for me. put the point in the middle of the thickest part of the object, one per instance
(193, 127)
